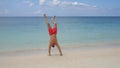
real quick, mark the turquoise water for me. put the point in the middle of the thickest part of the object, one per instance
(18, 33)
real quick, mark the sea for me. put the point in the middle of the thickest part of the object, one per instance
(22, 33)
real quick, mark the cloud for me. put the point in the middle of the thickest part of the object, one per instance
(0, 3)
(56, 2)
(41, 2)
(5, 11)
(75, 3)
(29, 3)
(65, 3)
(37, 12)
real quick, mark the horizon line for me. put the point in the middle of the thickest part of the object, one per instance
(61, 16)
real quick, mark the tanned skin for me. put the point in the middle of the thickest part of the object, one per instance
(53, 38)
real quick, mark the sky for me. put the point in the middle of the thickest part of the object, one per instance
(60, 7)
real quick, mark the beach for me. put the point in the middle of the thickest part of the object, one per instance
(80, 57)
(86, 31)
(86, 42)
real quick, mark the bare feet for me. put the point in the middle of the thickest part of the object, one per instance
(45, 16)
(53, 19)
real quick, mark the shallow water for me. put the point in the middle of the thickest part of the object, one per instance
(18, 33)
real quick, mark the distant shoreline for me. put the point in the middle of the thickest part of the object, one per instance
(58, 16)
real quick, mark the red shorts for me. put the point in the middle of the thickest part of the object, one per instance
(52, 31)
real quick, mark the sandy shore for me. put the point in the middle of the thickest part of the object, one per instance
(72, 58)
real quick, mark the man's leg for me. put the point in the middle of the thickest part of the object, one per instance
(46, 20)
(54, 21)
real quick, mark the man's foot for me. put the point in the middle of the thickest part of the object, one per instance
(53, 18)
(45, 16)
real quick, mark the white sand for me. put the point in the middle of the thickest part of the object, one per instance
(87, 58)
